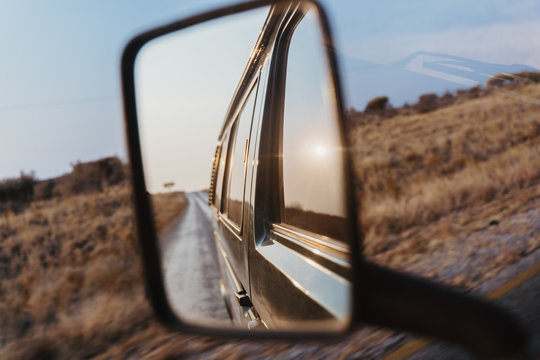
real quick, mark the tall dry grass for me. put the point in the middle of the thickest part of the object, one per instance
(424, 175)
(167, 207)
(69, 265)
(71, 279)
(72, 282)
(414, 168)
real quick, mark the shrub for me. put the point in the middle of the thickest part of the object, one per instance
(475, 92)
(19, 189)
(427, 103)
(378, 103)
(43, 190)
(500, 80)
(90, 176)
(529, 75)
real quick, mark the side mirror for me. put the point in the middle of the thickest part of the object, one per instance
(246, 212)
(236, 135)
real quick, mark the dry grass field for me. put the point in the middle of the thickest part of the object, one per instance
(444, 170)
(72, 284)
(71, 277)
(167, 207)
(450, 189)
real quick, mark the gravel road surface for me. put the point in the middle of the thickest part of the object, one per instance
(191, 266)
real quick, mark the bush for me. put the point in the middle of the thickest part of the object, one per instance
(427, 103)
(19, 189)
(475, 92)
(532, 76)
(43, 190)
(500, 80)
(447, 99)
(90, 176)
(378, 103)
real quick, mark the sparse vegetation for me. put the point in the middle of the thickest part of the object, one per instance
(471, 157)
(167, 207)
(379, 103)
(438, 189)
(71, 278)
(427, 103)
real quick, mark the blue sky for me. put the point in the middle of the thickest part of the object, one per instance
(60, 97)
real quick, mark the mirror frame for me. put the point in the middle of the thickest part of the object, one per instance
(147, 236)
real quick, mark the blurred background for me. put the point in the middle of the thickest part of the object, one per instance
(72, 285)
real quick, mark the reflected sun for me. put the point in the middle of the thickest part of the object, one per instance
(320, 150)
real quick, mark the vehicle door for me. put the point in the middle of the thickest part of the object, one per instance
(229, 202)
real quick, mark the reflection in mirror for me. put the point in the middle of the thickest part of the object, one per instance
(312, 157)
(245, 171)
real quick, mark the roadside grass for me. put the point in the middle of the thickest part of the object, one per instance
(167, 207)
(417, 168)
(72, 281)
(71, 272)
(433, 178)
(431, 182)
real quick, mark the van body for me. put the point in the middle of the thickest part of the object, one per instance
(281, 264)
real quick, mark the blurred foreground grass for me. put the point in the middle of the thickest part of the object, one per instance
(449, 189)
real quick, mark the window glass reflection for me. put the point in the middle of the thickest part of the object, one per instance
(221, 169)
(238, 158)
(312, 157)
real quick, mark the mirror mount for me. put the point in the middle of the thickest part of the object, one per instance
(419, 306)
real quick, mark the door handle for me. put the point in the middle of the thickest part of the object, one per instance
(243, 298)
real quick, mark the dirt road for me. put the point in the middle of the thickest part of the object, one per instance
(190, 264)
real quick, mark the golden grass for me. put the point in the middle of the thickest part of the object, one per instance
(431, 184)
(68, 259)
(167, 207)
(422, 203)
(71, 281)
(416, 168)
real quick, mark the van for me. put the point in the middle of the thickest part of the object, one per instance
(277, 185)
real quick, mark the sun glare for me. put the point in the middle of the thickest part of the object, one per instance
(320, 150)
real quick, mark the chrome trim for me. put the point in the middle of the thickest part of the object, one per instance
(310, 239)
(231, 225)
(291, 242)
(322, 285)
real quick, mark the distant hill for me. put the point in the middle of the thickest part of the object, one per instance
(419, 73)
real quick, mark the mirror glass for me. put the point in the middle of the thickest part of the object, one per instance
(244, 164)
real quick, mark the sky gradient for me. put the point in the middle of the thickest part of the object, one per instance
(60, 98)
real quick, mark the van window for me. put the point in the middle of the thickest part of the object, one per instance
(312, 163)
(239, 146)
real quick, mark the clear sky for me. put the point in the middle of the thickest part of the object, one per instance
(60, 98)
(184, 83)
